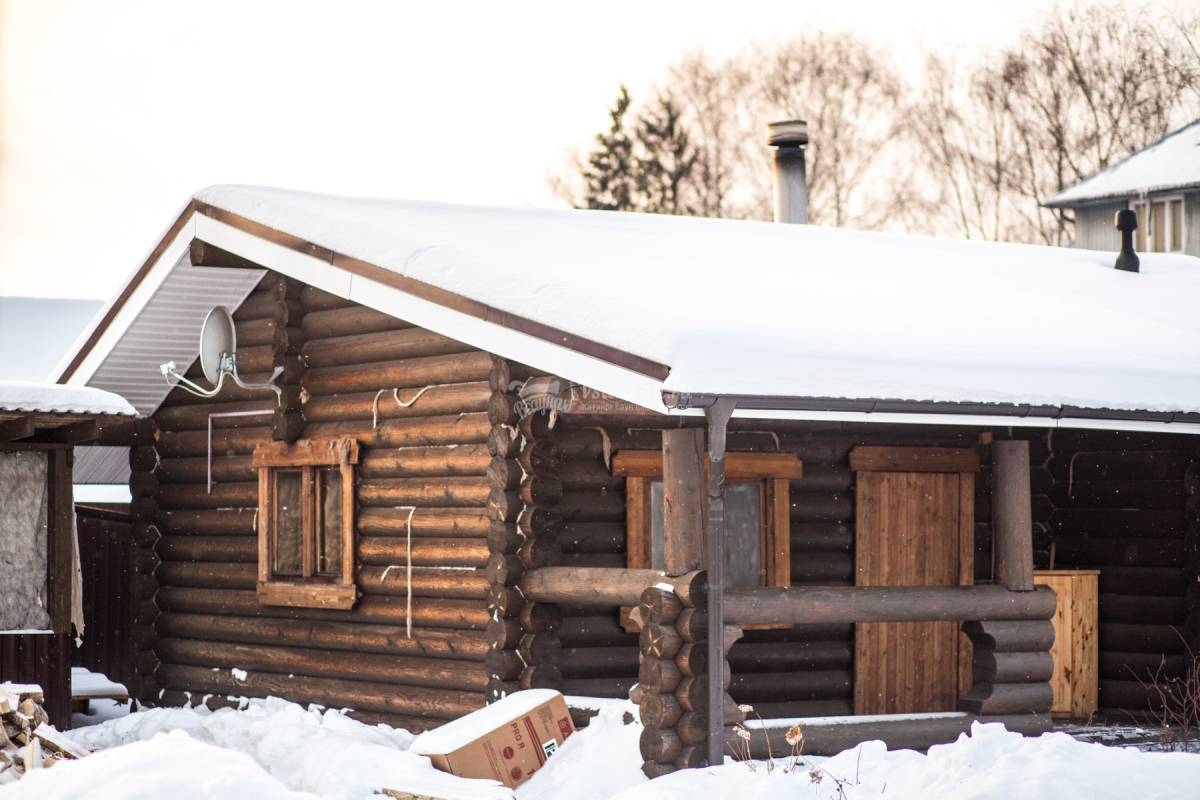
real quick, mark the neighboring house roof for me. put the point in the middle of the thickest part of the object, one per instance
(54, 398)
(639, 305)
(36, 331)
(1173, 162)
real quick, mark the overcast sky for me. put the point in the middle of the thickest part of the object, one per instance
(113, 113)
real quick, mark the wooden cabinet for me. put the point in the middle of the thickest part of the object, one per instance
(1075, 650)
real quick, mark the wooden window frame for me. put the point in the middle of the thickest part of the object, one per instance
(309, 457)
(773, 472)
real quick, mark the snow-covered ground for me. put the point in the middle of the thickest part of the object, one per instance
(275, 750)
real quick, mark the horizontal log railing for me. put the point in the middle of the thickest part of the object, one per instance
(774, 606)
(601, 586)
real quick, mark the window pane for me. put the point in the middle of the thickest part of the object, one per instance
(329, 526)
(1158, 227)
(1176, 225)
(743, 529)
(289, 523)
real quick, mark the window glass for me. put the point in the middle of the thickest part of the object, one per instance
(1158, 227)
(1176, 226)
(289, 523)
(743, 532)
(329, 523)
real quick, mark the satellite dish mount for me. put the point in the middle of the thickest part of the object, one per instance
(218, 359)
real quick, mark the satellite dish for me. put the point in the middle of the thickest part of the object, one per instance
(218, 359)
(218, 340)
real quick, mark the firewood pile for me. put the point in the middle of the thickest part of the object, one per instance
(27, 739)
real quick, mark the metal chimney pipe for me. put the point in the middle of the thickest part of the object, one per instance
(789, 138)
(1126, 222)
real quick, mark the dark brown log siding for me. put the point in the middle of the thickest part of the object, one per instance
(431, 454)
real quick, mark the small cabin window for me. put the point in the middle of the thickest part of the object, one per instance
(1161, 225)
(306, 523)
(757, 516)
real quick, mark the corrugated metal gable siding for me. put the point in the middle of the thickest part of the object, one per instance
(168, 329)
(1094, 228)
(101, 464)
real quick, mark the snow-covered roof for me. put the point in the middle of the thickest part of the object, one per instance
(635, 304)
(52, 398)
(1173, 162)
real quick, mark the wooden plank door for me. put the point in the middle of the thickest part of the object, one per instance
(914, 528)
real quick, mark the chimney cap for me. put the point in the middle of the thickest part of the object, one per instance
(787, 133)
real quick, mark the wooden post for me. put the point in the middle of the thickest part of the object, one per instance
(718, 415)
(1012, 515)
(683, 494)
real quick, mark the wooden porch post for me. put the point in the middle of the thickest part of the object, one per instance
(718, 415)
(683, 494)
(1012, 515)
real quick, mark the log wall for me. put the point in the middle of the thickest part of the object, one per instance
(1119, 503)
(348, 371)
(804, 671)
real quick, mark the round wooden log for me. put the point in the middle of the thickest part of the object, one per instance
(596, 631)
(586, 586)
(786, 656)
(426, 582)
(223, 495)
(539, 551)
(659, 745)
(1007, 698)
(426, 612)
(541, 676)
(692, 757)
(1151, 581)
(992, 667)
(1140, 639)
(540, 649)
(504, 505)
(504, 665)
(399, 373)
(592, 507)
(426, 522)
(505, 474)
(459, 429)
(598, 662)
(504, 601)
(364, 348)
(541, 618)
(885, 604)
(502, 408)
(535, 426)
(1118, 523)
(409, 671)
(822, 507)
(507, 376)
(348, 321)
(654, 769)
(590, 475)
(197, 417)
(334, 692)
(692, 658)
(238, 549)
(659, 641)
(1106, 552)
(206, 522)
(370, 405)
(503, 442)
(540, 457)
(659, 675)
(1012, 636)
(505, 570)
(539, 521)
(592, 537)
(326, 635)
(193, 470)
(824, 537)
(434, 462)
(446, 492)
(207, 575)
(504, 634)
(228, 441)
(659, 710)
(753, 687)
(540, 490)
(314, 299)
(1117, 608)
(661, 605)
(504, 538)
(692, 624)
(439, 552)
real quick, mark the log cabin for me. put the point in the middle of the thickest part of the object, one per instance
(41, 613)
(707, 463)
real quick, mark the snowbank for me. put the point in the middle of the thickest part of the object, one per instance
(989, 764)
(172, 765)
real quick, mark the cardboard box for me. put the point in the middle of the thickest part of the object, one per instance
(507, 741)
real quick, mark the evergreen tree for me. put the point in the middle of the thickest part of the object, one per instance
(609, 177)
(666, 160)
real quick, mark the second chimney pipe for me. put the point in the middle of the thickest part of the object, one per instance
(789, 138)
